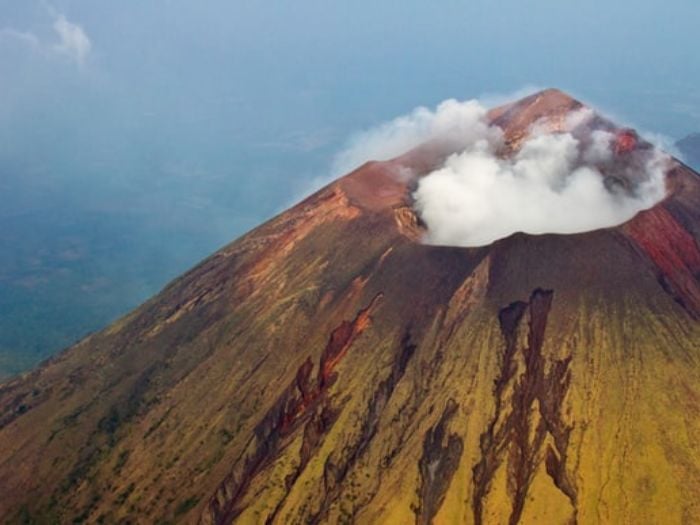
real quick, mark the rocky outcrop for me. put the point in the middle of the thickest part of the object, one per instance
(303, 403)
(442, 452)
(527, 427)
(674, 254)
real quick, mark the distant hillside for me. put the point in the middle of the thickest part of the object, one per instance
(690, 148)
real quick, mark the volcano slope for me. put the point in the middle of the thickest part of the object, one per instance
(327, 367)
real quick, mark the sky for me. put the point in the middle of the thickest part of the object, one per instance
(137, 137)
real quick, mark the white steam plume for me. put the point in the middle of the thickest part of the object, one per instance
(460, 123)
(73, 41)
(567, 181)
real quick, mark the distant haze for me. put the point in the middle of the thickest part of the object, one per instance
(137, 137)
(689, 147)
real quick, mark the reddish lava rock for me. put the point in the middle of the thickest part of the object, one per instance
(625, 141)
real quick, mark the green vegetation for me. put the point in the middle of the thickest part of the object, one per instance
(121, 461)
(124, 495)
(186, 505)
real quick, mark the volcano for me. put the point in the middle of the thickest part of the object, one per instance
(329, 367)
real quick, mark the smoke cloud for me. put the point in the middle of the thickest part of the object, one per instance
(73, 42)
(455, 122)
(567, 180)
(25, 37)
(564, 182)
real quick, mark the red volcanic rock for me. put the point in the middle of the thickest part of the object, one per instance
(674, 253)
(341, 339)
(625, 141)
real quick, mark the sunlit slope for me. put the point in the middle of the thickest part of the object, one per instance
(329, 368)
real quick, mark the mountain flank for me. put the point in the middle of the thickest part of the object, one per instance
(329, 367)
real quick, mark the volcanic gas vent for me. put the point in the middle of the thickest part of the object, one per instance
(565, 172)
(564, 177)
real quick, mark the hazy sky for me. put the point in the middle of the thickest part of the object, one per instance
(185, 123)
(233, 105)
